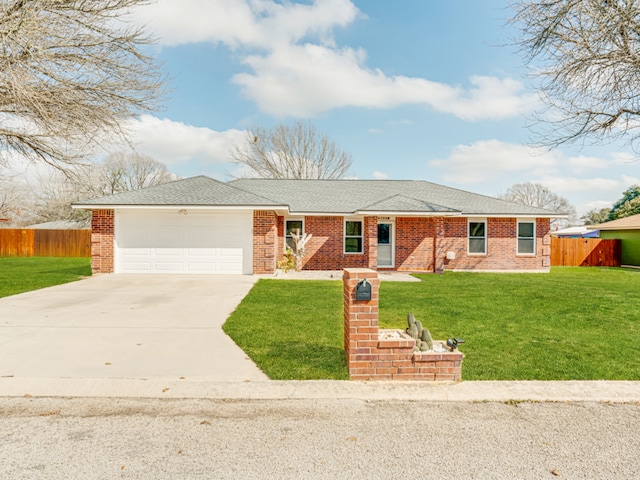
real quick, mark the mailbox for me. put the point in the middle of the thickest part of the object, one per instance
(363, 290)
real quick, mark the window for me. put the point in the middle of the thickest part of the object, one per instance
(295, 226)
(478, 237)
(526, 238)
(353, 236)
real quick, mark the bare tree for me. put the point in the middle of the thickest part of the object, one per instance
(118, 172)
(297, 151)
(54, 196)
(537, 195)
(71, 71)
(586, 54)
(121, 172)
(13, 198)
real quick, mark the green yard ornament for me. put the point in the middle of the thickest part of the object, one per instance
(421, 335)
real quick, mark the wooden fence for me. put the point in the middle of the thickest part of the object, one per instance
(585, 252)
(44, 243)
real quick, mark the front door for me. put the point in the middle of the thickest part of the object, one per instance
(385, 245)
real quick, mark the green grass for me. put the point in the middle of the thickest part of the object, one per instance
(292, 329)
(23, 274)
(573, 323)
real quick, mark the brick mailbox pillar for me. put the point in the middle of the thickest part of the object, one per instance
(374, 354)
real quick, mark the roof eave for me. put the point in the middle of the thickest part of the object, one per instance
(399, 213)
(177, 205)
(514, 215)
(596, 227)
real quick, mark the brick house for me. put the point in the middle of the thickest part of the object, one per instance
(201, 225)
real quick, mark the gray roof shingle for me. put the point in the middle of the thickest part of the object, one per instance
(351, 196)
(320, 196)
(201, 191)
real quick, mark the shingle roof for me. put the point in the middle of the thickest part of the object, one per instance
(320, 196)
(351, 196)
(200, 190)
(626, 223)
(402, 203)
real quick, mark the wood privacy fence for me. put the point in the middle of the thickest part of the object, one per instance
(585, 252)
(44, 243)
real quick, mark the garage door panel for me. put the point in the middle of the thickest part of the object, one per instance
(137, 267)
(204, 267)
(171, 243)
(168, 267)
(167, 252)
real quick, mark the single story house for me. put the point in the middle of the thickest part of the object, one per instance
(201, 225)
(628, 231)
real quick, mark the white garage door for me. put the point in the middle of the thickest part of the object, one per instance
(172, 242)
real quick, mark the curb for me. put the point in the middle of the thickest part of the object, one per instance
(467, 391)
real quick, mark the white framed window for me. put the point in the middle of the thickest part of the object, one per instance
(526, 237)
(295, 225)
(353, 236)
(477, 236)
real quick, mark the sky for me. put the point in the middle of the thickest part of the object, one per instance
(412, 89)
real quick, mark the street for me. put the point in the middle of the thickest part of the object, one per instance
(86, 438)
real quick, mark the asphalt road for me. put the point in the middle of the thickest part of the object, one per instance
(47, 438)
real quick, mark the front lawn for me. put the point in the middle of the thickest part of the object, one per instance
(573, 323)
(22, 274)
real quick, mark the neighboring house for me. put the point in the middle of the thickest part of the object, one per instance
(201, 225)
(628, 231)
(576, 232)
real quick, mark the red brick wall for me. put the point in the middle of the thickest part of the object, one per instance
(102, 241)
(265, 241)
(421, 244)
(325, 250)
(501, 246)
(414, 243)
(370, 358)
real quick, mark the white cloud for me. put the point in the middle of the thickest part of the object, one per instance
(380, 175)
(485, 159)
(581, 163)
(495, 160)
(304, 80)
(174, 142)
(289, 75)
(244, 23)
(623, 158)
(584, 207)
(576, 184)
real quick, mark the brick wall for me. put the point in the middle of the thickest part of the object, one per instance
(265, 241)
(414, 243)
(102, 241)
(325, 250)
(421, 244)
(372, 358)
(501, 246)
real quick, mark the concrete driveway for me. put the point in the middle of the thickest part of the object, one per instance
(126, 326)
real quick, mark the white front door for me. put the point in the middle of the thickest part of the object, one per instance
(385, 245)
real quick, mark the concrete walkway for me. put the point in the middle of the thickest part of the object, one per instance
(125, 327)
(336, 275)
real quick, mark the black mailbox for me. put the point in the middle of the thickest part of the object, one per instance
(363, 290)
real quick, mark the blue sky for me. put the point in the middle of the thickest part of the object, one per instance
(413, 89)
